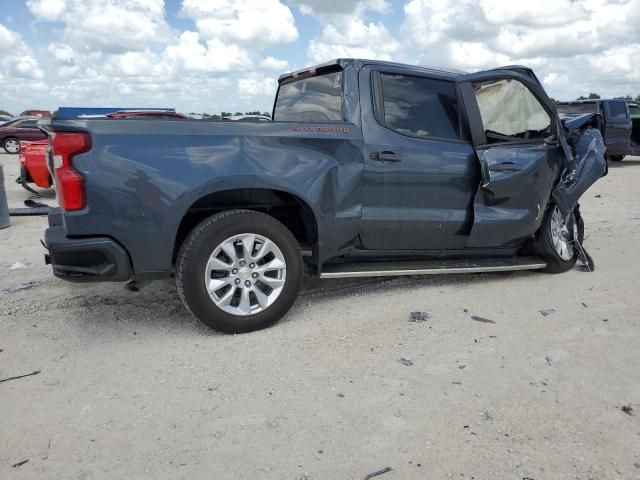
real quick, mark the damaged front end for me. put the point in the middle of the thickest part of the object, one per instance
(586, 163)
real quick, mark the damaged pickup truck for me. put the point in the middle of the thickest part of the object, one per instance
(369, 168)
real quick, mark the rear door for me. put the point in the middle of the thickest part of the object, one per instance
(617, 129)
(515, 135)
(420, 172)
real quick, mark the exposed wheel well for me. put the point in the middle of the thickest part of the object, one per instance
(289, 209)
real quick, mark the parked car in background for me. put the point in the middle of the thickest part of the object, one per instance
(37, 113)
(15, 131)
(33, 164)
(248, 118)
(610, 116)
(4, 119)
(369, 168)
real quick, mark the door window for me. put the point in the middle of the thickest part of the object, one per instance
(510, 111)
(29, 124)
(419, 107)
(617, 111)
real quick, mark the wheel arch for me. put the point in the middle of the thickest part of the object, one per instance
(288, 208)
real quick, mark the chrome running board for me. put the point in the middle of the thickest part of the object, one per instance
(429, 267)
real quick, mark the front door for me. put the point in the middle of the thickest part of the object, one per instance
(420, 173)
(516, 140)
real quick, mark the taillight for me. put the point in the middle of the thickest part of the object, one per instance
(69, 183)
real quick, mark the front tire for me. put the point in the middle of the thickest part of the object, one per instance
(239, 271)
(11, 145)
(555, 240)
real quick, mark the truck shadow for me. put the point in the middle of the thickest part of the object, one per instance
(626, 163)
(112, 311)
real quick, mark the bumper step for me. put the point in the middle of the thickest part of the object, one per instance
(429, 267)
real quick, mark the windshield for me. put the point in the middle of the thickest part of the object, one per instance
(314, 99)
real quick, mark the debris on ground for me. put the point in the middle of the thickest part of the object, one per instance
(20, 376)
(405, 361)
(418, 316)
(487, 416)
(378, 472)
(23, 286)
(17, 266)
(481, 319)
(584, 305)
(19, 464)
(628, 409)
(548, 359)
(547, 312)
(597, 196)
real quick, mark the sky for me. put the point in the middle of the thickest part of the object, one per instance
(226, 55)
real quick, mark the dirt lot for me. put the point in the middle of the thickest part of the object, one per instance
(132, 387)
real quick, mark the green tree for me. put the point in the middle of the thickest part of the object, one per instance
(4, 112)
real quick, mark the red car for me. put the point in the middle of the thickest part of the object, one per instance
(19, 130)
(33, 164)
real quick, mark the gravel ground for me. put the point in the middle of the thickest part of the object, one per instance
(133, 387)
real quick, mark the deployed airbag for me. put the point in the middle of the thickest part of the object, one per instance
(508, 107)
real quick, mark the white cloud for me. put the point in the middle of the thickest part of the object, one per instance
(576, 46)
(330, 7)
(271, 63)
(555, 80)
(256, 84)
(113, 26)
(259, 23)
(349, 35)
(18, 61)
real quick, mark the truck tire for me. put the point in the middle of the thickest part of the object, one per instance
(239, 271)
(554, 241)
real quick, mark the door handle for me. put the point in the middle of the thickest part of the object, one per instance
(385, 156)
(505, 167)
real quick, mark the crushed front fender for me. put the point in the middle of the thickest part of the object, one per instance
(590, 165)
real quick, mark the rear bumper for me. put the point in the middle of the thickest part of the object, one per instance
(94, 259)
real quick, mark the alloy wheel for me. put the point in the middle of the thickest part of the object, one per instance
(561, 235)
(245, 274)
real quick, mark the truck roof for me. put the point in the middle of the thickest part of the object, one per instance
(341, 63)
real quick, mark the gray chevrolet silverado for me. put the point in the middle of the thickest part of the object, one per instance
(368, 168)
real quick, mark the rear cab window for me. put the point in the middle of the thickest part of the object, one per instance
(313, 99)
(511, 112)
(617, 111)
(418, 107)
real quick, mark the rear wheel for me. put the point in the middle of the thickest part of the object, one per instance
(239, 271)
(11, 145)
(555, 241)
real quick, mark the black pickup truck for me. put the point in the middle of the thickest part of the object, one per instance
(618, 121)
(369, 168)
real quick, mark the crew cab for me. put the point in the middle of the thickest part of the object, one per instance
(613, 118)
(368, 168)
